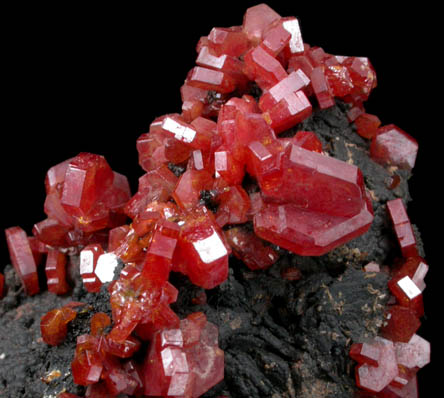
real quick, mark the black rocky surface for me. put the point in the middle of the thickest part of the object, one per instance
(281, 338)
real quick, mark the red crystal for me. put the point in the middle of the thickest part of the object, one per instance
(307, 140)
(87, 177)
(407, 293)
(188, 189)
(2, 285)
(22, 259)
(209, 79)
(256, 20)
(230, 41)
(250, 249)
(263, 68)
(401, 324)
(155, 185)
(275, 40)
(309, 233)
(376, 378)
(234, 204)
(185, 361)
(88, 262)
(201, 251)
(319, 183)
(137, 300)
(403, 227)
(414, 353)
(294, 82)
(99, 322)
(55, 270)
(53, 325)
(394, 147)
(367, 125)
(366, 353)
(321, 88)
(87, 364)
(125, 349)
(288, 112)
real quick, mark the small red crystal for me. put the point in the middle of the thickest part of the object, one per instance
(87, 365)
(88, 262)
(403, 227)
(394, 147)
(55, 270)
(250, 249)
(321, 88)
(99, 322)
(22, 259)
(367, 125)
(2, 285)
(53, 325)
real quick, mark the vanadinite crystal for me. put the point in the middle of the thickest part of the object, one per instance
(235, 173)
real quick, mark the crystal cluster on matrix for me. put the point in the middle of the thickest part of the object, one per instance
(388, 365)
(297, 197)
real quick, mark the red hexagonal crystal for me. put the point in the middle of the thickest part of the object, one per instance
(393, 146)
(376, 378)
(256, 20)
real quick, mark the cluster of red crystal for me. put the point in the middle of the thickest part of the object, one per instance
(388, 364)
(309, 203)
(303, 201)
(183, 361)
(84, 199)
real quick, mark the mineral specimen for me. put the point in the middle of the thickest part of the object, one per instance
(234, 173)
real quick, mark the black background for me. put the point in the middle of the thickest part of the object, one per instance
(82, 79)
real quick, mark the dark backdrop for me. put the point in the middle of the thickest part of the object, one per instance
(82, 79)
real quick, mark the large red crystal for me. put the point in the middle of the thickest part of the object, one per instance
(309, 233)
